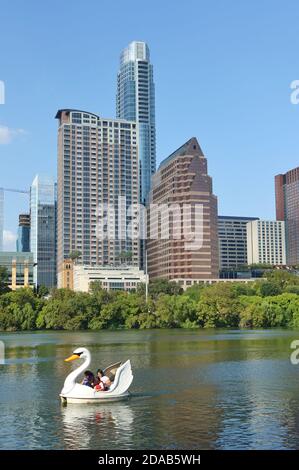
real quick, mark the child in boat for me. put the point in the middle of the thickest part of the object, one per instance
(102, 381)
(88, 379)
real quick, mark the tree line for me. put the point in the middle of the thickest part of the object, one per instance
(269, 302)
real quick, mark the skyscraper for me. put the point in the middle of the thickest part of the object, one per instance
(23, 240)
(97, 167)
(287, 209)
(232, 233)
(135, 101)
(43, 230)
(183, 188)
(266, 242)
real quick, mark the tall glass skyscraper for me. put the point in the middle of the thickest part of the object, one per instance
(135, 101)
(43, 230)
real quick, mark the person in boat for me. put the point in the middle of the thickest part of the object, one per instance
(102, 382)
(89, 379)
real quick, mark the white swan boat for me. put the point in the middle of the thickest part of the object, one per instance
(120, 375)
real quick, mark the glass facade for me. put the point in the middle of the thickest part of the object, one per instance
(232, 235)
(19, 268)
(136, 101)
(43, 230)
(23, 240)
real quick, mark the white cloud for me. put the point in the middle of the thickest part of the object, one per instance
(9, 240)
(7, 134)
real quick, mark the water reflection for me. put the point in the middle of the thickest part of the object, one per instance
(97, 424)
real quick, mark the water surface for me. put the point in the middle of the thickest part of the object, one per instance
(192, 389)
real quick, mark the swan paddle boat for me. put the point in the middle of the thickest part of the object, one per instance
(120, 375)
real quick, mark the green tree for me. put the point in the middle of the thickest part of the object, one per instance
(74, 255)
(66, 310)
(163, 286)
(19, 310)
(268, 288)
(3, 280)
(218, 306)
(43, 291)
(194, 292)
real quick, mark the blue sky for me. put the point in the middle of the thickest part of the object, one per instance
(222, 71)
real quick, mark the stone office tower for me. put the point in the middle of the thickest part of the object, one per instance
(97, 163)
(182, 179)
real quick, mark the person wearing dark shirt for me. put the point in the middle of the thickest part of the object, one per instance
(88, 379)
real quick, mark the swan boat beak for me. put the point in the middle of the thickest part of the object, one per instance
(72, 358)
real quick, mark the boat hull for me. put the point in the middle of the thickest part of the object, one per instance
(102, 399)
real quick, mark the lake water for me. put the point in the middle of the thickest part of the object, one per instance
(212, 389)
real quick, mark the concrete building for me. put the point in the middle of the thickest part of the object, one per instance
(98, 177)
(43, 230)
(266, 242)
(19, 267)
(287, 209)
(183, 188)
(23, 240)
(232, 234)
(122, 278)
(135, 101)
(185, 283)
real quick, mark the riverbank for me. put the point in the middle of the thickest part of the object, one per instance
(264, 304)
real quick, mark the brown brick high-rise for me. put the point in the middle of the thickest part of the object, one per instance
(287, 209)
(182, 179)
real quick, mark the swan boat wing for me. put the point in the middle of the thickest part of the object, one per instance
(110, 371)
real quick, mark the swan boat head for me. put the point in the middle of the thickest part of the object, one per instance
(79, 353)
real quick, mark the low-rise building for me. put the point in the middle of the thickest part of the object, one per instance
(185, 283)
(19, 268)
(125, 278)
(79, 277)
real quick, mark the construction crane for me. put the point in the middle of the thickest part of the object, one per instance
(14, 190)
(2, 209)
